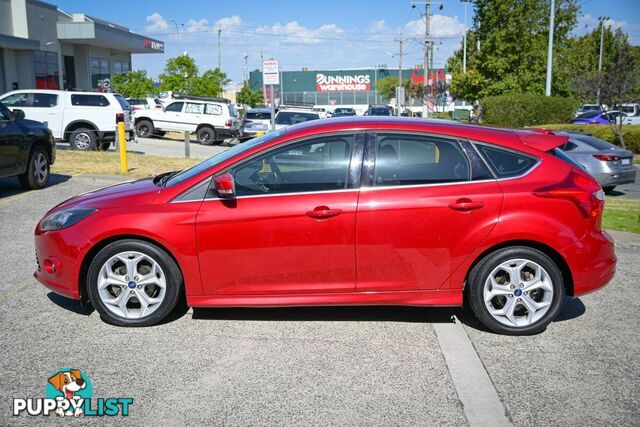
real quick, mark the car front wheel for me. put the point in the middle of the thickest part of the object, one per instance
(516, 291)
(133, 283)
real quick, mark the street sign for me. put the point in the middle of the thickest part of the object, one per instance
(270, 72)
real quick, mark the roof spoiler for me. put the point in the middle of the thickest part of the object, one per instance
(542, 139)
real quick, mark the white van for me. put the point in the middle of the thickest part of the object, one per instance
(86, 120)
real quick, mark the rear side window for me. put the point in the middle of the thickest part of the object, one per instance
(194, 108)
(414, 160)
(506, 164)
(213, 109)
(90, 100)
(45, 100)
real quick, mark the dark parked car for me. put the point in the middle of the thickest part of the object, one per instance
(379, 110)
(27, 149)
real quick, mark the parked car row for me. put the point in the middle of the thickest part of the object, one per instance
(628, 114)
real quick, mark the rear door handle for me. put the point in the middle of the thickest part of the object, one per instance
(465, 205)
(322, 212)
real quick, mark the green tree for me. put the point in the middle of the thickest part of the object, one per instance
(387, 86)
(513, 46)
(133, 84)
(210, 83)
(179, 74)
(249, 97)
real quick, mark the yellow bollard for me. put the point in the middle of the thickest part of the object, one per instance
(123, 148)
(260, 133)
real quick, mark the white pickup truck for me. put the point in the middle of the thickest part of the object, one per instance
(86, 120)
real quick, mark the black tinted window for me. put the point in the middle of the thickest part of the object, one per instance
(413, 160)
(90, 100)
(380, 112)
(319, 164)
(5, 114)
(175, 107)
(257, 115)
(124, 103)
(45, 100)
(506, 163)
(291, 118)
(590, 114)
(596, 143)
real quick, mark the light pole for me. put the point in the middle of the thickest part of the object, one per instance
(177, 29)
(464, 40)
(246, 59)
(602, 20)
(552, 18)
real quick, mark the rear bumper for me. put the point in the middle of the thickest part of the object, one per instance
(609, 178)
(227, 132)
(592, 261)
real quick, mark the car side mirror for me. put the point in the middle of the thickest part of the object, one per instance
(18, 115)
(225, 186)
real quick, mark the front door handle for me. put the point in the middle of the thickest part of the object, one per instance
(322, 212)
(466, 205)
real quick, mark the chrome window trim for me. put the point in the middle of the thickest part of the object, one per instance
(436, 184)
(346, 190)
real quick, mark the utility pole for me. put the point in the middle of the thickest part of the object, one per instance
(400, 88)
(464, 40)
(427, 45)
(219, 52)
(264, 92)
(602, 20)
(552, 19)
(246, 79)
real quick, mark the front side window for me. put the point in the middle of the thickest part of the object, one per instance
(506, 164)
(415, 160)
(45, 100)
(175, 107)
(194, 108)
(16, 100)
(89, 100)
(319, 164)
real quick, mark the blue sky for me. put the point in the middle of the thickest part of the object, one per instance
(320, 35)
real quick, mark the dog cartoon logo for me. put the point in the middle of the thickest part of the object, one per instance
(70, 385)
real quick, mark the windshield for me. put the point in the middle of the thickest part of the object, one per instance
(379, 112)
(291, 117)
(221, 157)
(590, 114)
(257, 115)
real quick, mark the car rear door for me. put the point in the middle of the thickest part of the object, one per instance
(426, 201)
(13, 145)
(291, 227)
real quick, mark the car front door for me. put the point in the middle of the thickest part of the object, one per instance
(291, 226)
(426, 201)
(12, 145)
(172, 118)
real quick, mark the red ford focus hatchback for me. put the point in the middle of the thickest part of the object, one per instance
(351, 211)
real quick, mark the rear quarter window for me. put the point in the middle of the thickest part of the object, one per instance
(504, 163)
(90, 100)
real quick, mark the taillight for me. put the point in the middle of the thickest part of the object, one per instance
(606, 157)
(580, 189)
(119, 117)
(228, 123)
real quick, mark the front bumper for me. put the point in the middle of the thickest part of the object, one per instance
(67, 248)
(592, 261)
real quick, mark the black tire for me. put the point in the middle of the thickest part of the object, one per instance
(173, 277)
(206, 135)
(608, 189)
(480, 273)
(84, 139)
(104, 146)
(145, 128)
(38, 169)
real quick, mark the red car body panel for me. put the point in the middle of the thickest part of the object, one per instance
(390, 245)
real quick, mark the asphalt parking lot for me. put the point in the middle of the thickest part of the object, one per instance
(319, 366)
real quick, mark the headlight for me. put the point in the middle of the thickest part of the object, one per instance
(65, 218)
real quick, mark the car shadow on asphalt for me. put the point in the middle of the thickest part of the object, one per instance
(74, 306)
(11, 186)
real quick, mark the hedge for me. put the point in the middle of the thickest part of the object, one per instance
(525, 109)
(631, 133)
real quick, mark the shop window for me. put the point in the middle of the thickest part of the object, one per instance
(46, 69)
(120, 67)
(100, 76)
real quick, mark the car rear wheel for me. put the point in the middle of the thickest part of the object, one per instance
(104, 146)
(38, 170)
(516, 291)
(206, 136)
(144, 128)
(133, 283)
(83, 139)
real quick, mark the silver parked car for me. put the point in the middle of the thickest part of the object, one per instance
(255, 120)
(608, 164)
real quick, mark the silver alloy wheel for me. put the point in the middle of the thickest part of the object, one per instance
(131, 284)
(40, 167)
(83, 141)
(518, 292)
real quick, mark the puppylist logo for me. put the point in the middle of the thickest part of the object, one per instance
(69, 393)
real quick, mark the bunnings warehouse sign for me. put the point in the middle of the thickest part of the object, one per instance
(343, 83)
